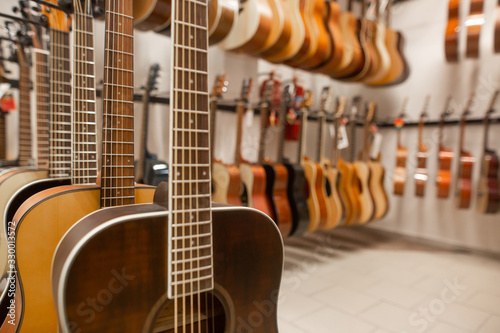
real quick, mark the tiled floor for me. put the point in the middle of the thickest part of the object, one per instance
(359, 280)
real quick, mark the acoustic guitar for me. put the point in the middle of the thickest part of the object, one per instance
(463, 189)
(284, 21)
(197, 264)
(42, 220)
(333, 175)
(222, 16)
(152, 14)
(488, 192)
(297, 183)
(474, 24)
(316, 202)
(377, 33)
(452, 33)
(420, 174)
(496, 42)
(226, 178)
(149, 170)
(445, 158)
(349, 183)
(3, 119)
(330, 191)
(400, 172)
(367, 208)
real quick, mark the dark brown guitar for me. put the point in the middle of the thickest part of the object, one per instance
(188, 267)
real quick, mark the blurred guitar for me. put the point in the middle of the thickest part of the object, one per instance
(445, 158)
(452, 34)
(152, 14)
(400, 172)
(222, 17)
(420, 174)
(474, 24)
(488, 193)
(463, 190)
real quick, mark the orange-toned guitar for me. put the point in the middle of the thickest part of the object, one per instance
(420, 174)
(463, 189)
(400, 172)
(452, 34)
(222, 17)
(152, 14)
(474, 24)
(445, 158)
(496, 44)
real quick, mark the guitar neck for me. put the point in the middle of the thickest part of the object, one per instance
(213, 120)
(335, 149)
(352, 126)
(84, 164)
(462, 135)
(117, 173)
(303, 133)
(190, 159)
(25, 138)
(264, 114)
(240, 111)
(143, 150)
(281, 138)
(486, 132)
(42, 89)
(321, 137)
(60, 105)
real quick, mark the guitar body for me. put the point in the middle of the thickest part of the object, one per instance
(496, 44)
(400, 172)
(40, 224)
(222, 16)
(276, 190)
(284, 27)
(253, 178)
(452, 33)
(154, 171)
(152, 14)
(444, 177)
(349, 192)
(463, 192)
(252, 27)
(474, 30)
(333, 203)
(310, 42)
(276, 29)
(297, 197)
(383, 56)
(333, 63)
(316, 200)
(488, 194)
(396, 64)
(370, 56)
(380, 200)
(367, 208)
(353, 58)
(226, 184)
(128, 245)
(421, 171)
(297, 34)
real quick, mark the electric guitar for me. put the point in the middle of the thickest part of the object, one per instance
(452, 34)
(44, 218)
(420, 174)
(197, 264)
(488, 193)
(445, 159)
(400, 172)
(463, 189)
(149, 170)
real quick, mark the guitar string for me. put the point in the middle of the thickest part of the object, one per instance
(120, 58)
(105, 181)
(186, 105)
(175, 156)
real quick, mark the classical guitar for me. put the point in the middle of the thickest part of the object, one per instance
(352, 61)
(149, 170)
(333, 175)
(378, 37)
(452, 33)
(363, 171)
(330, 190)
(377, 173)
(152, 14)
(42, 220)
(488, 192)
(463, 189)
(197, 264)
(226, 178)
(222, 16)
(420, 174)
(349, 183)
(400, 173)
(474, 24)
(297, 183)
(277, 173)
(445, 158)
(315, 177)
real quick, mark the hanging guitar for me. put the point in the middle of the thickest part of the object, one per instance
(193, 260)
(445, 159)
(420, 174)
(463, 189)
(400, 172)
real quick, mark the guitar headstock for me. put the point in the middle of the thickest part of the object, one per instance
(220, 86)
(326, 99)
(58, 20)
(370, 112)
(341, 107)
(246, 89)
(153, 75)
(447, 111)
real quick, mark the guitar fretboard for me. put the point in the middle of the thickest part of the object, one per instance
(84, 161)
(191, 269)
(60, 105)
(42, 89)
(117, 174)
(25, 143)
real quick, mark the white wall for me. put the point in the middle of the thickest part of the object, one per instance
(423, 23)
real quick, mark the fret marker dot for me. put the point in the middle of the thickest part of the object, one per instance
(191, 37)
(178, 173)
(204, 173)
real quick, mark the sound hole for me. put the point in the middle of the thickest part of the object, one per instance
(328, 188)
(202, 313)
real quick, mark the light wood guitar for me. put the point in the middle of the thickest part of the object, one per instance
(197, 269)
(378, 36)
(222, 17)
(420, 174)
(463, 187)
(284, 22)
(452, 34)
(445, 159)
(474, 24)
(400, 171)
(488, 192)
(42, 220)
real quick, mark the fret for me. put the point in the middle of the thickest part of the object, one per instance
(203, 93)
(204, 181)
(118, 69)
(181, 261)
(191, 130)
(121, 197)
(189, 282)
(122, 52)
(117, 177)
(190, 165)
(180, 110)
(118, 101)
(83, 32)
(85, 101)
(84, 75)
(197, 2)
(190, 196)
(59, 45)
(187, 24)
(190, 70)
(185, 47)
(120, 14)
(190, 237)
(191, 148)
(85, 62)
(192, 270)
(193, 248)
